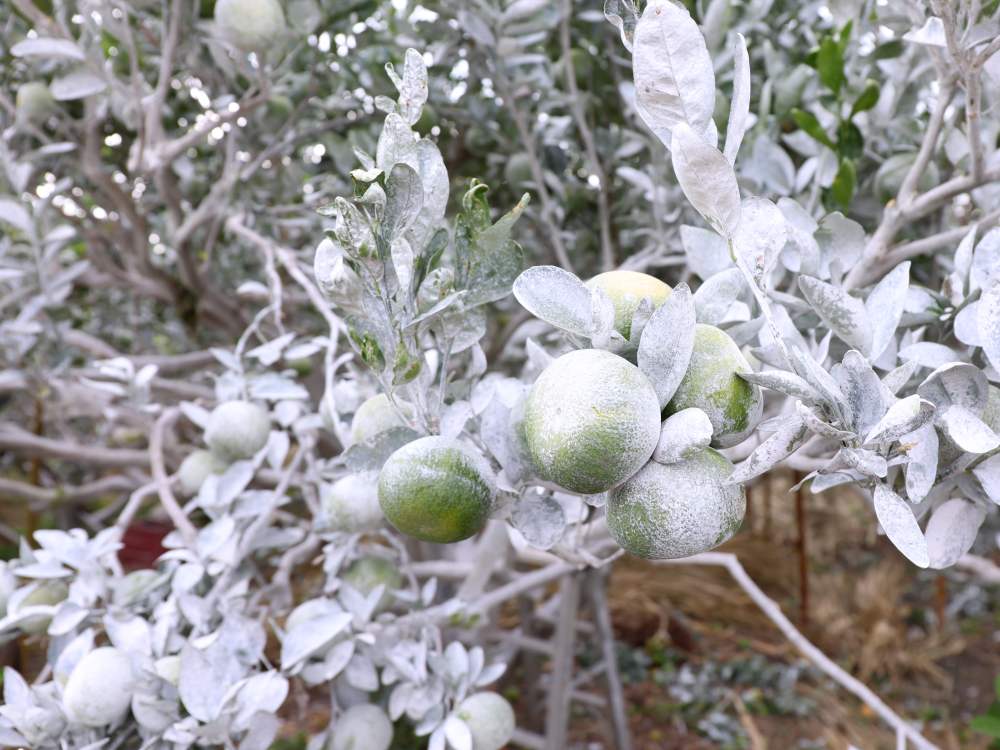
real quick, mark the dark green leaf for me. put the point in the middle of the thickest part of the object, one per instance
(867, 99)
(842, 190)
(808, 122)
(830, 64)
(845, 36)
(889, 50)
(850, 142)
(986, 724)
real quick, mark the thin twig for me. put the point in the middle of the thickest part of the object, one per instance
(167, 499)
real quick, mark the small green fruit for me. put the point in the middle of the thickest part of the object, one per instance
(490, 719)
(237, 430)
(376, 415)
(733, 405)
(627, 289)
(370, 572)
(437, 490)
(196, 468)
(351, 503)
(34, 102)
(667, 511)
(591, 421)
(250, 25)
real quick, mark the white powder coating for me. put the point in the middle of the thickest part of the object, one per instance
(591, 421)
(34, 102)
(237, 430)
(677, 510)
(364, 727)
(683, 434)
(376, 415)
(250, 24)
(351, 503)
(99, 689)
(196, 468)
(490, 719)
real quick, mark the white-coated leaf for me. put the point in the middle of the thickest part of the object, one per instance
(760, 235)
(412, 86)
(707, 179)
(900, 525)
(674, 79)
(956, 383)
(556, 296)
(785, 382)
(624, 17)
(885, 307)
(312, 636)
(404, 194)
(952, 531)
(540, 519)
(457, 733)
(45, 47)
(843, 314)
(706, 252)
(739, 108)
(666, 343)
(904, 416)
(930, 34)
(788, 438)
(921, 471)
(966, 325)
(988, 320)
(988, 474)
(15, 214)
(77, 84)
(716, 296)
(928, 354)
(682, 434)
(967, 430)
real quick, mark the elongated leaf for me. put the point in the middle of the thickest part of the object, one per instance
(404, 198)
(624, 17)
(15, 214)
(77, 84)
(45, 47)
(760, 236)
(785, 382)
(716, 296)
(787, 439)
(885, 307)
(905, 416)
(967, 430)
(928, 354)
(739, 108)
(666, 343)
(843, 314)
(674, 79)
(312, 636)
(900, 525)
(988, 474)
(707, 179)
(988, 320)
(921, 471)
(952, 531)
(556, 296)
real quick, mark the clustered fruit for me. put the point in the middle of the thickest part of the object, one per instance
(591, 424)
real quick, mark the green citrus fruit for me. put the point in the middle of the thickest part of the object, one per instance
(237, 430)
(490, 719)
(711, 384)
(591, 421)
(627, 289)
(196, 468)
(362, 727)
(34, 102)
(676, 510)
(370, 572)
(250, 25)
(351, 503)
(517, 170)
(437, 490)
(376, 415)
(99, 689)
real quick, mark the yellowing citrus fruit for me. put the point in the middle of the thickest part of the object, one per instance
(251, 25)
(196, 467)
(362, 727)
(237, 430)
(437, 490)
(627, 289)
(376, 415)
(591, 421)
(351, 503)
(490, 719)
(676, 510)
(733, 405)
(99, 689)
(34, 102)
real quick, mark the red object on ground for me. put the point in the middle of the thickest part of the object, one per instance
(143, 543)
